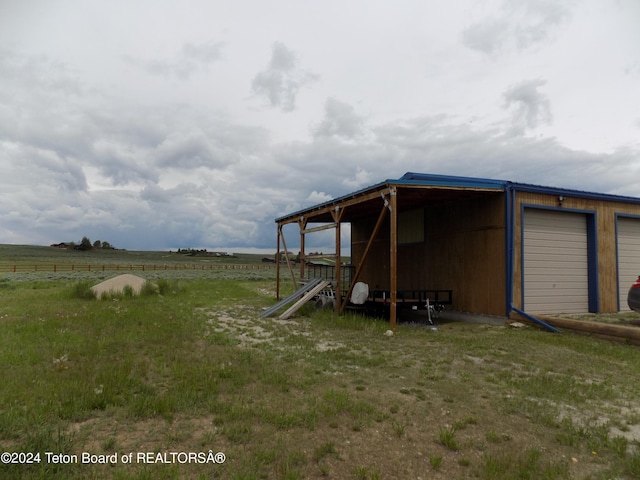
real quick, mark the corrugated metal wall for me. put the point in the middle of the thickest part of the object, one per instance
(628, 257)
(555, 262)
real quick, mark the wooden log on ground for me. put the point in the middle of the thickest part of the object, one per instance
(607, 331)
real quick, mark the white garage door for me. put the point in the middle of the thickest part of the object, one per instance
(556, 265)
(628, 256)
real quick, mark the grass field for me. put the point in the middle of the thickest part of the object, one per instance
(153, 386)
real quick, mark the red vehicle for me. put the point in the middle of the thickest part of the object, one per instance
(633, 299)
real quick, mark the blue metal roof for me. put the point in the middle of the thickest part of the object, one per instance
(526, 187)
(452, 181)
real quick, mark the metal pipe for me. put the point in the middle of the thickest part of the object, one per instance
(535, 320)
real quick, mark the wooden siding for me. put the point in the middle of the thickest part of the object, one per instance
(411, 226)
(463, 251)
(605, 214)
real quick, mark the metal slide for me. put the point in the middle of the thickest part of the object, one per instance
(307, 296)
(305, 288)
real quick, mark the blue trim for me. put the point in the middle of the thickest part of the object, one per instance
(522, 253)
(451, 180)
(592, 251)
(411, 178)
(523, 187)
(536, 320)
(509, 213)
(592, 262)
(617, 217)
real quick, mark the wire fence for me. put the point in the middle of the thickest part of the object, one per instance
(22, 268)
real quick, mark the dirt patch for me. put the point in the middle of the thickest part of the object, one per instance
(250, 330)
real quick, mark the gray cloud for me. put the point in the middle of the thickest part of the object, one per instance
(38, 102)
(243, 180)
(282, 79)
(89, 145)
(530, 107)
(38, 74)
(189, 150)
(487, 36)
(191, 59)
(237, 205)
(632, 69)
(519, 24)
(340, 120)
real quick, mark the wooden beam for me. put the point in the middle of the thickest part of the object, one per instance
(342, 204)
(317, 229)
(337, 217)
(302, 223)
(286, 256)
(610, 331)
(376, 228)
(393, 255)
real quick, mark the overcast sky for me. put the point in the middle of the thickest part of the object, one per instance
(158, 124)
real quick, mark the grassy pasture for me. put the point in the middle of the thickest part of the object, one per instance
(317, 396)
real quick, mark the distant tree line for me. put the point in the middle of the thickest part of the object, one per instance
(203, 251)
(85, 244)
(192, 251)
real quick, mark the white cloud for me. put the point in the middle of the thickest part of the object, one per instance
(361, 178)
(318, 197)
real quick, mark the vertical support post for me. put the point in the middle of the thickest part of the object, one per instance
(289, 267)
(302, 223)
(278, 263)
(337, 217)
(356, 276)
(393, 256)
